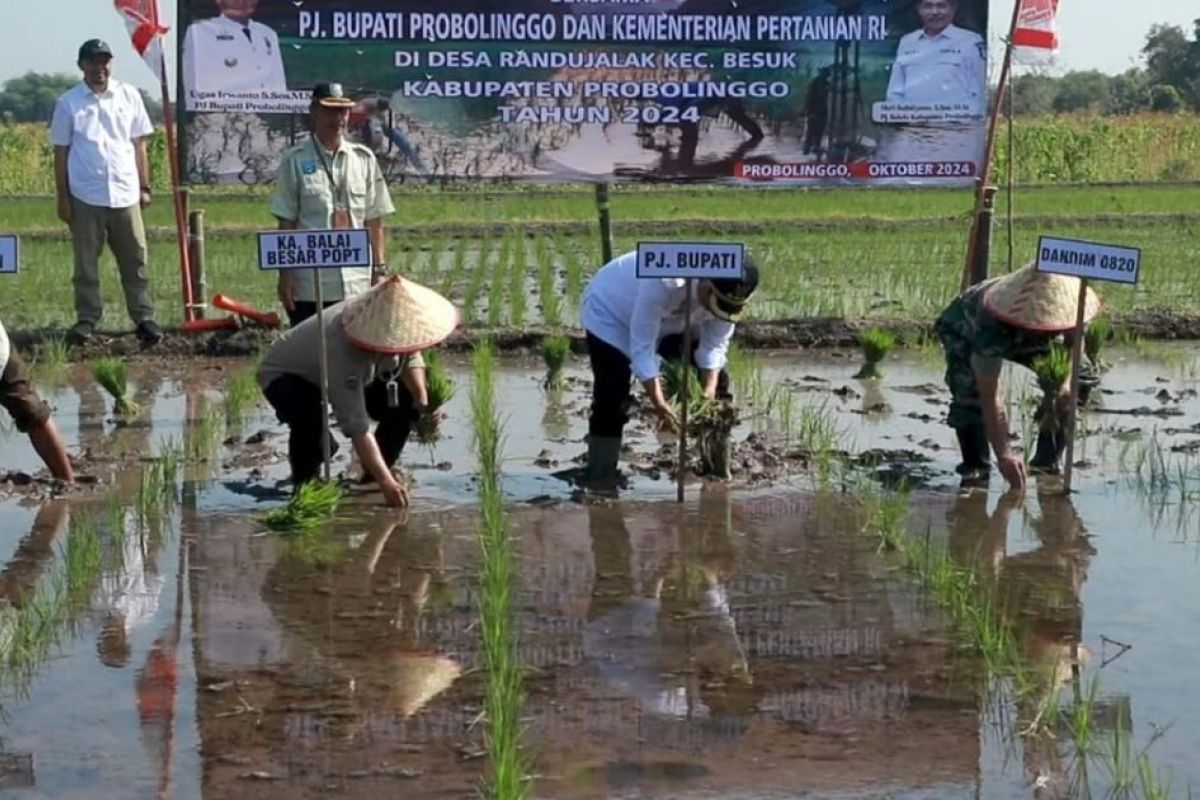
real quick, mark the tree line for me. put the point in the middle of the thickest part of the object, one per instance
(30, 97)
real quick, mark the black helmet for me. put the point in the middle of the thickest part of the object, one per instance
(729, 296)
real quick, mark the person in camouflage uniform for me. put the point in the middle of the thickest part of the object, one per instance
(1015, 318)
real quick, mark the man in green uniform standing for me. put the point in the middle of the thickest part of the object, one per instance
(1013, 318)
(330, 182)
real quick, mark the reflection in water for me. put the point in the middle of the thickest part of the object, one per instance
(1038, 591)
(675, 649)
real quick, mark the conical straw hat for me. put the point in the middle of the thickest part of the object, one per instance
(416, 678)
(398, 316)
(1039, 301)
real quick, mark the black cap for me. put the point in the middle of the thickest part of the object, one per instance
(729, 295)
(330, 95)
(93, 48)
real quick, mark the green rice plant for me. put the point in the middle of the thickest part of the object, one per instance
(876, 344)
(241, 394)
(439, 388)
(480, 275)
(1099, 332)
(556, 349)
(311, 506)
(508, 247)
(515, 281)
(504, 692)
(110, 374)
(547, 284)
(711, 428)
(205, 435)
(51, 362)
(458, 268)
(672, 377)
(1053, 370)
(573, 266)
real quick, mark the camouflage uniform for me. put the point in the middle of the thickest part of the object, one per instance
(967, 329)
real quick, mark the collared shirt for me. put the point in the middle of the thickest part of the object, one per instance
(297, 353)
(633, 315)
(4, 348)
(950, 67)
(99, 130)
(222, 55)
(305, 194)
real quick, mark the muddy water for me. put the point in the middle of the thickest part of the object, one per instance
(749, 644)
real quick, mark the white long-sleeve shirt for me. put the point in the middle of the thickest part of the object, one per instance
(634, 314)
(222, 55)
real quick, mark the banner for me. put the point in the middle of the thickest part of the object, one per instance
(793, 92)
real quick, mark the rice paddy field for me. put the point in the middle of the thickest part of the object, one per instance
(840, 619)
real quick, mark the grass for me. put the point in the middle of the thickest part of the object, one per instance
(439, 388)
(312, 505)
(876, 343)
(504, 693)
(556, 349)
(110, 374)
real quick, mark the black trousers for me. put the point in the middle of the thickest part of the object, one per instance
(297, 404)
(612, 374)
(303, 309)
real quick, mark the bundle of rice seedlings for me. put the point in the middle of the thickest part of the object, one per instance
(1098, 333)
(711, 427)
(1052, 371)
(313, 504)
(672, 380)
(110, 374)
(555, 351)
(440, 390)
(876, 344)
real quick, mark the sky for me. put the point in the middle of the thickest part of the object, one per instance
(1097, 34)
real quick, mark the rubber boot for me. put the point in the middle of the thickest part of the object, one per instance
(1050, 447)
(976, 466)
(601, 473)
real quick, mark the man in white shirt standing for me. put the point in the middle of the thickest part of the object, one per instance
(232, 52)
(941, 62)
(102, 181)
(631, 323)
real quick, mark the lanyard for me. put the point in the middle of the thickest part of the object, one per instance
(333, 184)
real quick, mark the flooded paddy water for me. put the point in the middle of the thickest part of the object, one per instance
(750, 643)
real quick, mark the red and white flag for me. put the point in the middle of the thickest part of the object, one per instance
(146, 31)
(1035, 26)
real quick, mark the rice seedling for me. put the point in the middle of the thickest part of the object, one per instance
(508, 247)
(312, 505)
(478, 278)
(548, 294)
(51, 363)
(1052, 370)
(458, 268)
(711, 427)
(110, 374)
(205, 435)
(672, 379)
(573, 264)
(241, 395)
(504, 693)
(556, 350)
(876, 344)
(1098, 333)
(439, 388)
(515, 281)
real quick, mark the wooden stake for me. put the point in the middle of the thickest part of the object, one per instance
(1073, 411)
(681, 467)
(323, 362)
(606, 243)
(985, 177)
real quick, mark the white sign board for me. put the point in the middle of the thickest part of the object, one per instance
(334, 249)
(10, 253)
(1091, 260)
(690, 260)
